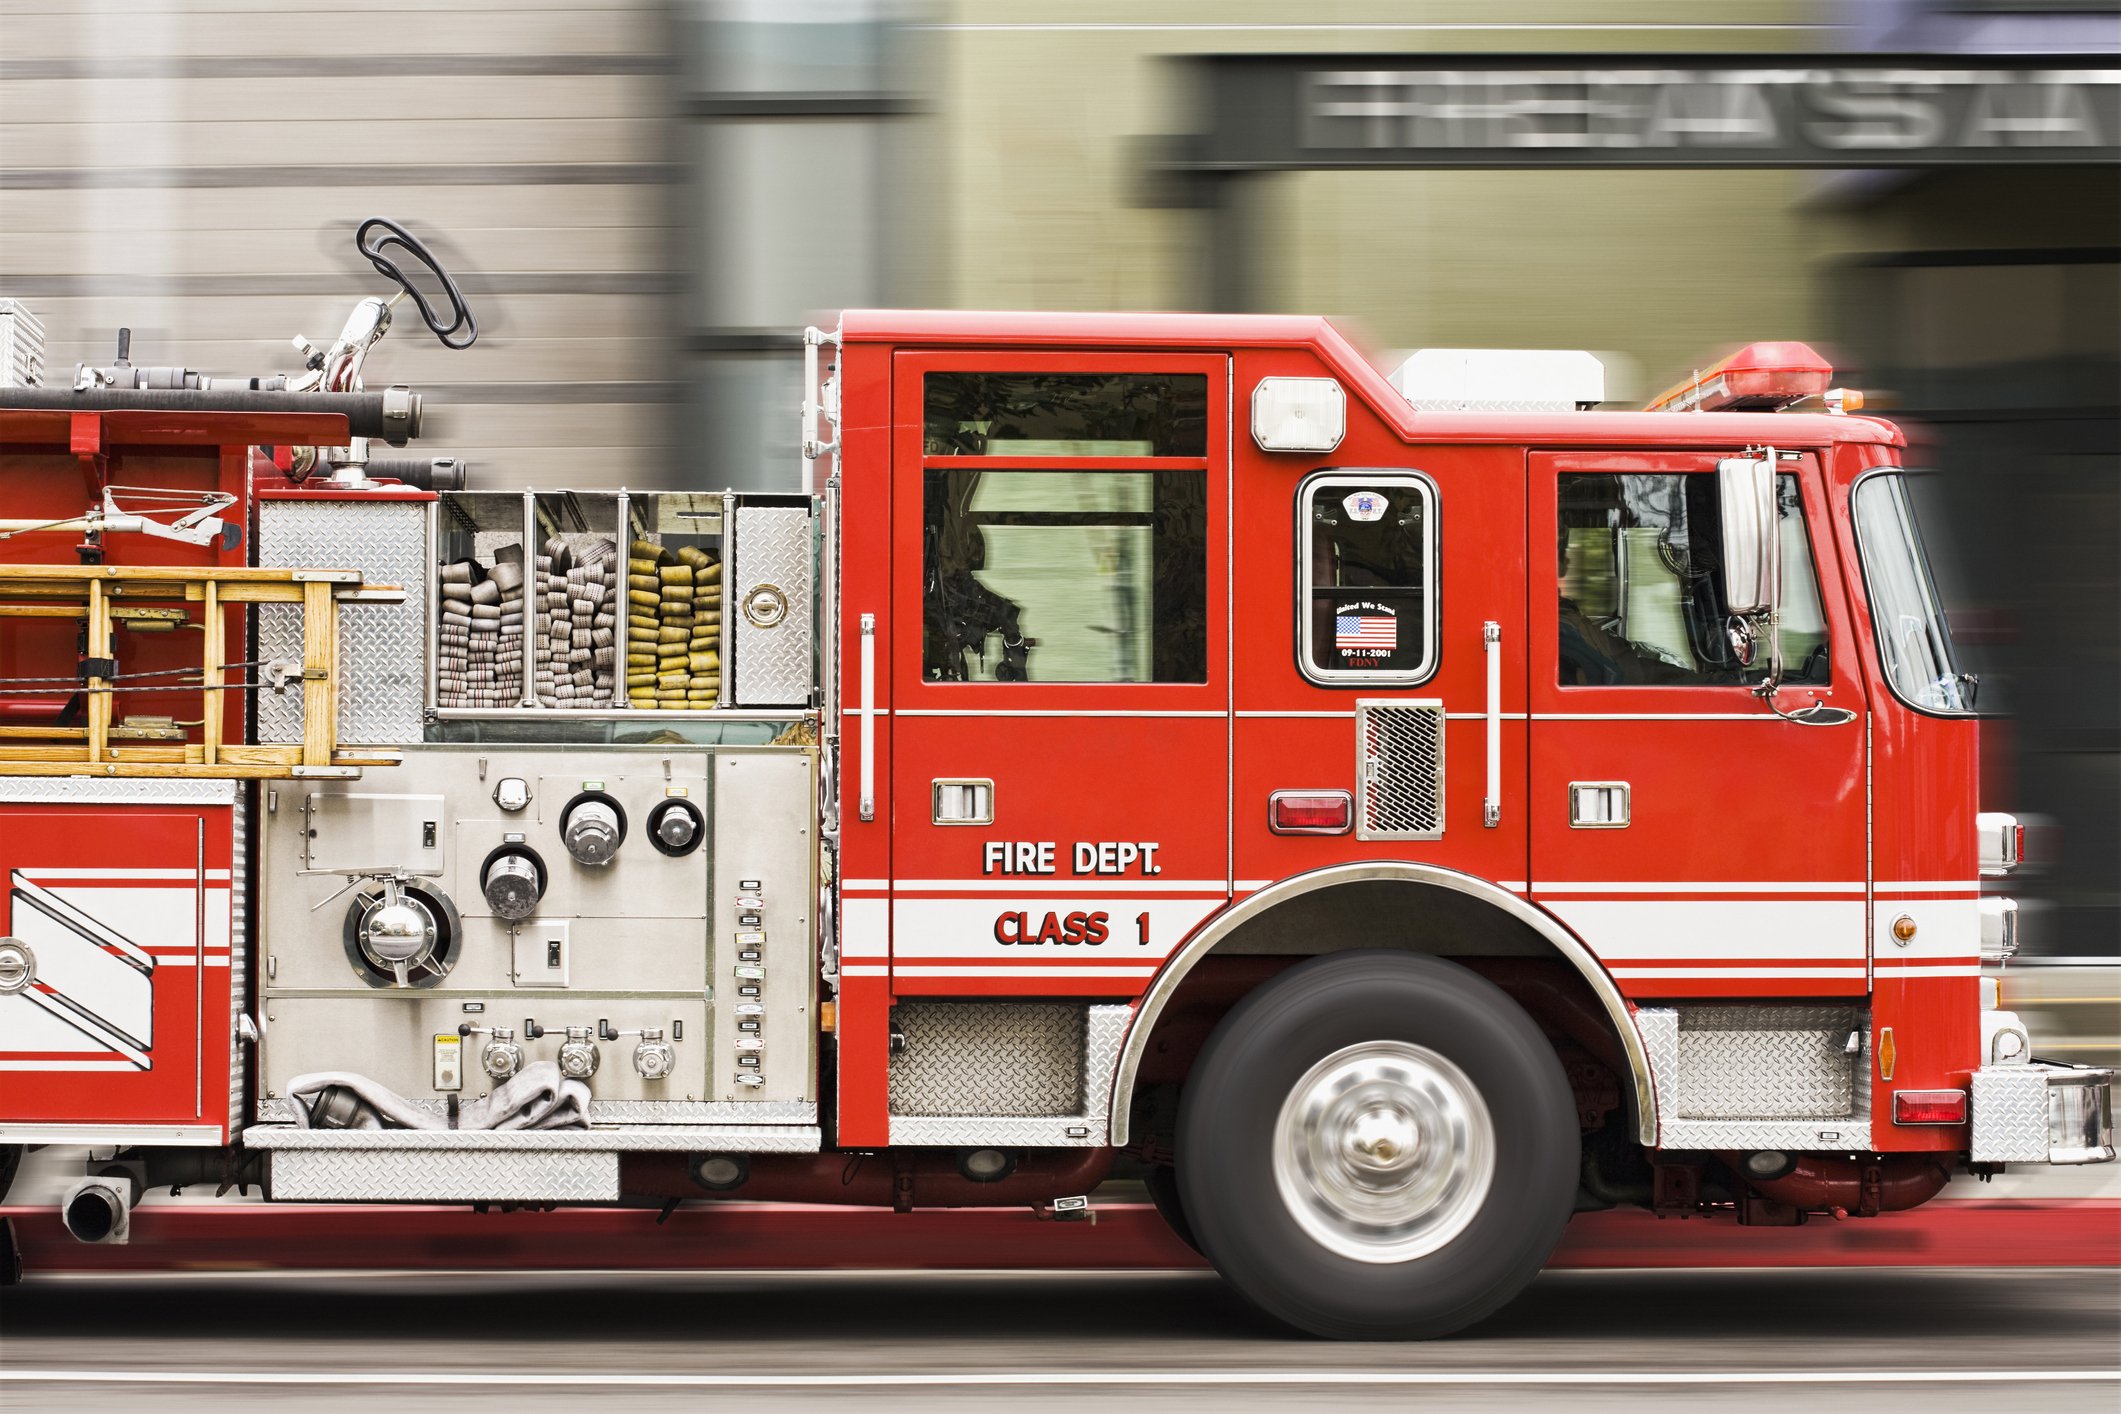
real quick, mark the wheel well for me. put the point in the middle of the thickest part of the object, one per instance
(1451, 916)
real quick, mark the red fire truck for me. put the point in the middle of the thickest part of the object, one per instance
(1388, 815)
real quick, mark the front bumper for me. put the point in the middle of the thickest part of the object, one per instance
(2042, 1113)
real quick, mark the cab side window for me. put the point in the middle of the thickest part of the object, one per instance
(1366, 578)
(1640, 568)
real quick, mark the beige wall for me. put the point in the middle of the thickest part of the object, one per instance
(195, 169)
(1043, 99)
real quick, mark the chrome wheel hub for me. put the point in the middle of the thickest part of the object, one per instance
(1384, 1151)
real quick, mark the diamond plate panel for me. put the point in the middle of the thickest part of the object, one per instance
(647, 1138)
(989, 1058)
(382, 647)
(1399, 778)
(1741, 1126)
(459, 1176)
(1766, 1062)
(98, 790)
(2009, 1115)
(999, 1131)
(772, 561)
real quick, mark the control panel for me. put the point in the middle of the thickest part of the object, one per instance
(765, 893)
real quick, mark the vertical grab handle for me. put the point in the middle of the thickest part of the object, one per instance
(868, 717)
(1491, 808)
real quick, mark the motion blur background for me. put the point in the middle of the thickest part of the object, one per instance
(646, 199)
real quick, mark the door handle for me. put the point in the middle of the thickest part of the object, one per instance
(868, 717)
(1491, 808)
(962, 800)
(1598, 805)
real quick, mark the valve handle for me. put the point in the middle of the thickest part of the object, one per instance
(376, 250)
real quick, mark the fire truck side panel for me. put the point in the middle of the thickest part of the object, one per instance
(1724, 877)
(863, 1021)
(1104, 836)
(120, 890)
(1925, 791)
(1294, 733)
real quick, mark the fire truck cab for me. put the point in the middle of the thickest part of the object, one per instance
(1386, 818)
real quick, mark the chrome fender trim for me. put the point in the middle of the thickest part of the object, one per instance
(1223, 924)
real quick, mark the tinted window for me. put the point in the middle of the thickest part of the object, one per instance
(1065, 576)
(1640, 564)
(1366, 575)
(1066, 415)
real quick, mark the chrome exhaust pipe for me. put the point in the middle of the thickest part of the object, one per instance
(99, 1208)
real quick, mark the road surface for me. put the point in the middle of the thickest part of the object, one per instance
(1949, 1339)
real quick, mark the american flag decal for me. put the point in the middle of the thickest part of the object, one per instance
(1355, 631)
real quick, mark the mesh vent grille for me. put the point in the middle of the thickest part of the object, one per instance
(989, 1058)
(1401, 777)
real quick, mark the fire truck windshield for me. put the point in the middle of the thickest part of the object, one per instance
(1914, 640)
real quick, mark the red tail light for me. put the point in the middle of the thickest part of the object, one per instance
(1310, 812)
(1929, 1107)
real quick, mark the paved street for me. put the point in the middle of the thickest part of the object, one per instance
(1951, 1339)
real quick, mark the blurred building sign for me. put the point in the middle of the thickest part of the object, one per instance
(1269, 112)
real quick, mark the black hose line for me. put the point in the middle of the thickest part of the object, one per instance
(392, 416)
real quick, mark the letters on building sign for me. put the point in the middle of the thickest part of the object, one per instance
(1834, 112)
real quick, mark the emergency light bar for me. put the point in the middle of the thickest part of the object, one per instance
(1758, 378)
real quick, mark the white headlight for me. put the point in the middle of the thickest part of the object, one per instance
(1299, 414)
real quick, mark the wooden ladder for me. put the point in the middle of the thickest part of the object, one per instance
(105, 595)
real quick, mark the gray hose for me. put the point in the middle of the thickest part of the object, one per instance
(392, 416)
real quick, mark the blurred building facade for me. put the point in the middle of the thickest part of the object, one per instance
(647, 198)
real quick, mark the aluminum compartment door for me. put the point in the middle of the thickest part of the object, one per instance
(1058, 669)
(1711, 849)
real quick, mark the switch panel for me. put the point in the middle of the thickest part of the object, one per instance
(449, 1064)
(541, 953)
(765, 962)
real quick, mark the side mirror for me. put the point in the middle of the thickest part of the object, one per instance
(1752, 561)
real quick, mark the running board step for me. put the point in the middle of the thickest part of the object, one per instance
(491, 1166)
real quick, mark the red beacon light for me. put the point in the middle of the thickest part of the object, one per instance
(1758, 378)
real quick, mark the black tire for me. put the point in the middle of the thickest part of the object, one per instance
(1162, 1183)
(1271, 1041)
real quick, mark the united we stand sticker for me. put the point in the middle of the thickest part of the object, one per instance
(1366, 632)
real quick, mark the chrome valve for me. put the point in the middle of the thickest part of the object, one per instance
(578, 1053)
(501, 1057)
(654, 1058)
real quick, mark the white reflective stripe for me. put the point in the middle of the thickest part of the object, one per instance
(1681, 929)
(934, 971)
(1929, 970)
(1966, 886)
(68, 1065)
(865, 929)
(1109, 885)
(1044, 712)
(1776, 887)
(1686, 949)
(865, 969)
(1852, 971)
(185, 874)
